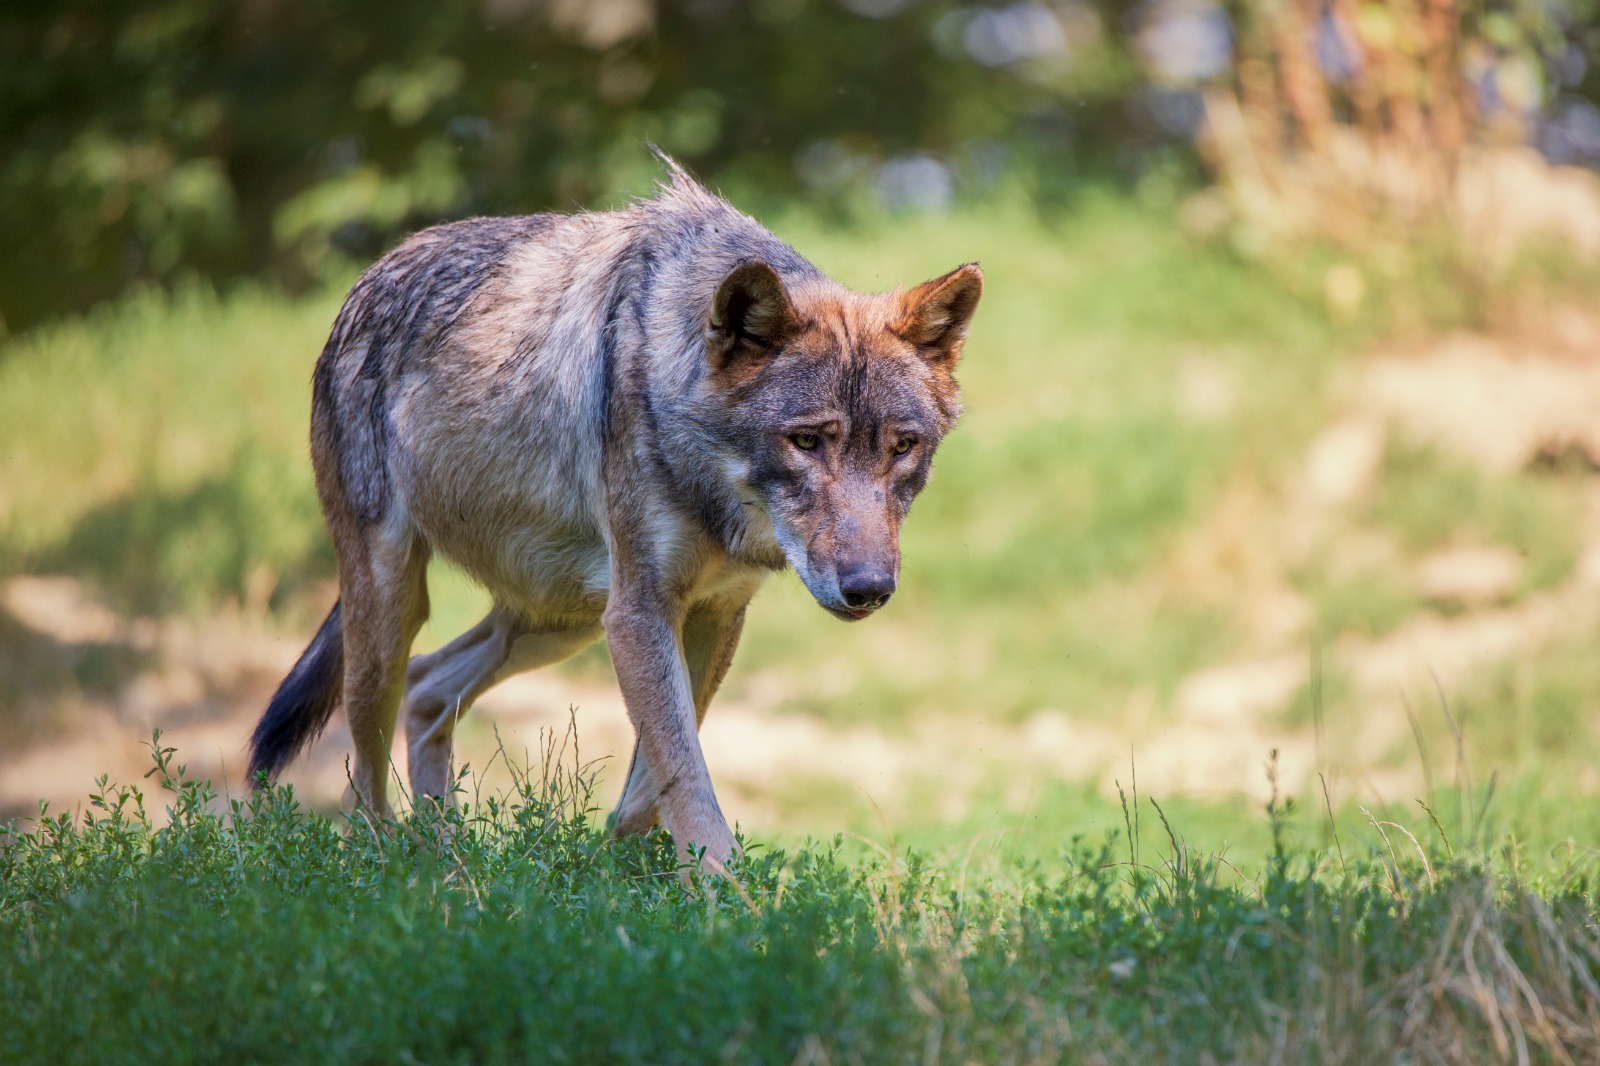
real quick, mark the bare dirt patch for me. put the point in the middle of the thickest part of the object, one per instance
(1503, 404)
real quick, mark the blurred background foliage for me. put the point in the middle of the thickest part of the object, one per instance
(146, 140)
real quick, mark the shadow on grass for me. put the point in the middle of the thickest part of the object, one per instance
(40, 675)
(251, 534)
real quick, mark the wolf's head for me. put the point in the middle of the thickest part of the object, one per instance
(836, 401)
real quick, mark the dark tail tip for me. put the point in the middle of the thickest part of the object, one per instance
(303, 703)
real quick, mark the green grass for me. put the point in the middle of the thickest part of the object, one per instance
(509, 930)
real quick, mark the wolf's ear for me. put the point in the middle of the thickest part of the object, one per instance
(751, 314)
(935, 314)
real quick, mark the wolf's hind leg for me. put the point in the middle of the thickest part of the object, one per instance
(442, 685)
(384, 597)
(710, 637)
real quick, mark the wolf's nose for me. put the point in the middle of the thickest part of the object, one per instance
(866, 588)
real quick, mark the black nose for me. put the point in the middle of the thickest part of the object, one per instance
(866, 587)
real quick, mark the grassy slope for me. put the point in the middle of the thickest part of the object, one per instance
(157, 450)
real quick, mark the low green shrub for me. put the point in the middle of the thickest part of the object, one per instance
(511, 929)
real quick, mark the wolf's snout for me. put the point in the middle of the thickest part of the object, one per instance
(865, 588)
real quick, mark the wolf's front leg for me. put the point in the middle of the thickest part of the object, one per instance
(710, 635)
(645, 648)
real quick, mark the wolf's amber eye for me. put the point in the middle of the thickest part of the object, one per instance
(805, 441)
(903, 445)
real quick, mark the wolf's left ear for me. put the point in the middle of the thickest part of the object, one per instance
(751, 314)
(935, 314)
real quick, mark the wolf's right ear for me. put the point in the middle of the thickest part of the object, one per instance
(750, 315)
(934, 316)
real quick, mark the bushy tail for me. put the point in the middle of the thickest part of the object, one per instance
(303, 703)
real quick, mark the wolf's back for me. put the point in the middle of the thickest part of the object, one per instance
(394, 317)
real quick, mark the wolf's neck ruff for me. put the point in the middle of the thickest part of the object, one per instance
(618, 423)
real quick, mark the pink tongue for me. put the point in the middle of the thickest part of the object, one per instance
(858, 614)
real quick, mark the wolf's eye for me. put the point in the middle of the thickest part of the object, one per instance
(805, 441)
(903, 445)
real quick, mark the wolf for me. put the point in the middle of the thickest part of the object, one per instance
(619, 423)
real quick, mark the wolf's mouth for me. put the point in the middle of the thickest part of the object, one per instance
(851, 614)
